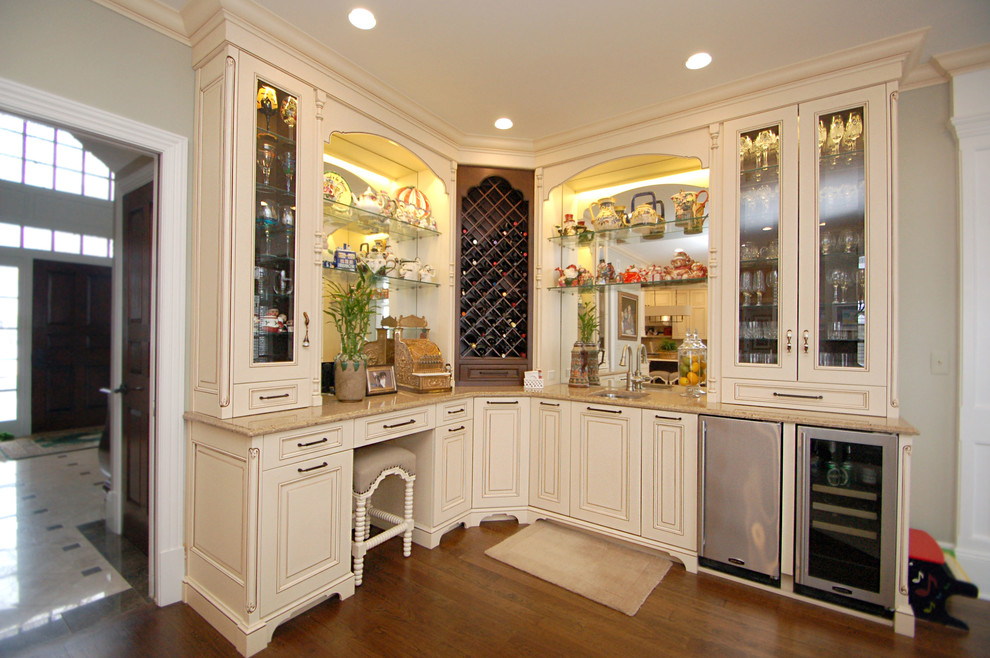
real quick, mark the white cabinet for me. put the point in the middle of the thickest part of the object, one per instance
(805, 256)
(254, 274)
(605, 466)
(501, 453)
(550, 452)
(670, 478)
(268, 526)
(693, 297)
(442, 493)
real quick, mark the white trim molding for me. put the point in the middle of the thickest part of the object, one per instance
(168, 429)
(971, 122)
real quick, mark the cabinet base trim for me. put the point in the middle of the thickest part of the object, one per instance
(249, 639)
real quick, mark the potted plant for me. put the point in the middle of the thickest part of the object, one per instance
(350, 308)
(584, 354)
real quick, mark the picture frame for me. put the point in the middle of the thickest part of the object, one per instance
(381, 379)
(628, 317)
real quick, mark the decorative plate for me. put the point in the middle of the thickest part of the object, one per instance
(335, 188)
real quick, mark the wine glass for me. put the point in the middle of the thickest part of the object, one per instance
(763, 140)
(759, 285)
(745, 152)
(844, 282)
(835, 278)
(854, 129)
(288, 161)
(835, 132)
(772, 283)
(827, 242)
(282, 285)
(822, 135)
(861, 289)
(265, 156)
(267, 102)
(850, 241)
(746, 286)
(288, 112)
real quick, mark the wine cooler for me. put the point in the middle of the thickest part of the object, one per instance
(846, 516)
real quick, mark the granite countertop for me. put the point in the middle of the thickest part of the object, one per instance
(669, 400)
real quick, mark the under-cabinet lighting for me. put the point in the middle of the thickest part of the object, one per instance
(377, 181)
(696, 178)
(362, 19)
(503, 123)
(698, 61)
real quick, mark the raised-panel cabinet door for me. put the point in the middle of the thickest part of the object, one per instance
(670, 478)
(305, 528)
(501, 453)
(549, 471)
(452, 493)
(844, 235)
(605, 466)
(759, 285)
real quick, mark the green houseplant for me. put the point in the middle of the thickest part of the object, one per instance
(350, 309)
(584, 354)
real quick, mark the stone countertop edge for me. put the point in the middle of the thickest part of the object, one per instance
(333, 410)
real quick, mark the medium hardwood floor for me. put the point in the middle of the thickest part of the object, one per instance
(455, 600)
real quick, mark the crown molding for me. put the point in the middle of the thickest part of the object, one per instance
(152, 14)
(899, 49)
(957, 62)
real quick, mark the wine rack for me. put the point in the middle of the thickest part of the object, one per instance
(494, 282)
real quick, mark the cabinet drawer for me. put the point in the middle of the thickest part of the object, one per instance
(262, 398)
(393, 425)
(454, 412)
(287, 447)
(865, 400)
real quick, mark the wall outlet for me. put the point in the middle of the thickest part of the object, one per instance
(940, 363)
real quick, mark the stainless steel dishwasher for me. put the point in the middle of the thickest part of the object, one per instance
(741, 494)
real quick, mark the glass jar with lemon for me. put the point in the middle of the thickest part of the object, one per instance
(692, 363)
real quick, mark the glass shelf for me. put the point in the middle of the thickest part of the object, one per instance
(672, 230)
(281, 140)
(350, 218)
(379, 280)
(628, 286)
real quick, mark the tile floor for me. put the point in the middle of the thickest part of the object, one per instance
(53, 580)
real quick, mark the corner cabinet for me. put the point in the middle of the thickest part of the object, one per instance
(806, 262)
(255, 275)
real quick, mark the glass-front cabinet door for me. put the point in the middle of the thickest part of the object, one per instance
(761, 245)
(843, 239)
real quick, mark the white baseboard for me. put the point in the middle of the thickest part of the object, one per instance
(112, 511)
(171, 571)
(977, 566)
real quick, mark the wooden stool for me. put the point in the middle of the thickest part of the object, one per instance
(372, 465)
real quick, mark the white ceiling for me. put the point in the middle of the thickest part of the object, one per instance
(558, 65)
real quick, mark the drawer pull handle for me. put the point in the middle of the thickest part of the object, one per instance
(273, 397)
(456, 411)
(668, 417)
(550, 404)
(312, 468)
(313, 443)
(806, 336)
(405, 422)
(795, 395)
(503, 402)
(605, 411)
(842, 590)
(790, 335)
(737, 561)
(456, 429)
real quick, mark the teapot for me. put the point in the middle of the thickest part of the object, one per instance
(427, 273)
(369, 201)
(643, 214)
(606, 217)
(373, 258)
(409, 269)
(689, 204)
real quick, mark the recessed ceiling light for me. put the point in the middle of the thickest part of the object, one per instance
(503, 124)
(362, 19)
(698, 61)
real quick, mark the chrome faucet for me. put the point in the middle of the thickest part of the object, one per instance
(634, 379)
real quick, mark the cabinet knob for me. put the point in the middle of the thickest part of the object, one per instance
(806, 334)
(790, 335)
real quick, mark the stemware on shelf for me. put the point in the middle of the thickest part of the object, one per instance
(772, 283)
(746, 286)
(854, 129)
(759, 285)
(266, 154)
(827, 242)
(267, 103)
(288, 160)
(850, 241)
(288, 110)
(835, 133)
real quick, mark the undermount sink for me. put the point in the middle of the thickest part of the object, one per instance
(624, 395)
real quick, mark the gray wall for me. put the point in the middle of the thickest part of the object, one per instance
(85, 52)
(928, 284)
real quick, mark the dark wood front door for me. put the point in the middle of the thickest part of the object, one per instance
(70, 345)
(138, 227)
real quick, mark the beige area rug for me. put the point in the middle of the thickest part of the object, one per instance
(601, 570)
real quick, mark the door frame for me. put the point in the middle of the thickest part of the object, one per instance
(167, 555)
